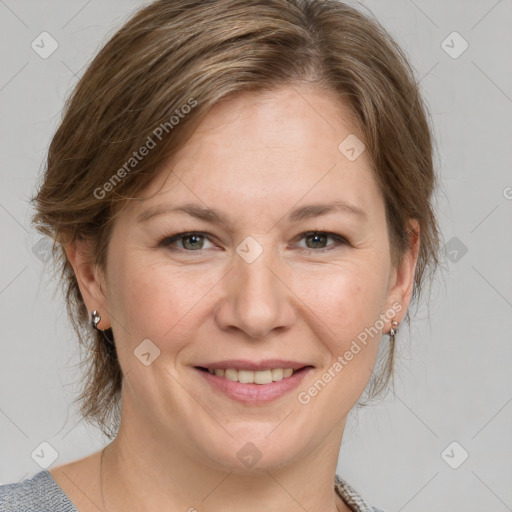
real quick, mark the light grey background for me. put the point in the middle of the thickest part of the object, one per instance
(454, 380)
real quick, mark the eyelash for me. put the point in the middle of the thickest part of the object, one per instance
(168, 242)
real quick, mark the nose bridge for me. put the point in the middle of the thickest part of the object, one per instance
(256, 279)
(257, 301)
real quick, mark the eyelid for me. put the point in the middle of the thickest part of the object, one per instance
(168, 241)
(339, 240)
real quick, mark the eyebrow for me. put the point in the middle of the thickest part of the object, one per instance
(215, 216)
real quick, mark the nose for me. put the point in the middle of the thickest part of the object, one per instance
(256, 298)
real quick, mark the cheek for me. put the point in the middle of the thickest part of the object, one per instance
(157, 301)
(348, 299)
(349, 303)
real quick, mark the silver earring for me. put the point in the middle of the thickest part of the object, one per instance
(95, 320)
(394, 329)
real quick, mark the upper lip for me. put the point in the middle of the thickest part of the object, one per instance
(243, 364)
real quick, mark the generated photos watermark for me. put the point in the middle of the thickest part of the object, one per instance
(143, 151)
(304, 397)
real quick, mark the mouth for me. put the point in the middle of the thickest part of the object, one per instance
(253, 384)
(261, 377)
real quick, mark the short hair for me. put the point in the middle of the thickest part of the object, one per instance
(160, 74)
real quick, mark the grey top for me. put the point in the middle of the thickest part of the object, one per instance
(42, 493)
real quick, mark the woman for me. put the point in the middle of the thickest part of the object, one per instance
(240, 197)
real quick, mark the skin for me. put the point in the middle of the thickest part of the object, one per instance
(254, 158)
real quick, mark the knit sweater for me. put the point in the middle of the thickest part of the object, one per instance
(42, 493)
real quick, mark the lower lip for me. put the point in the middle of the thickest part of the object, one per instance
(255, 393)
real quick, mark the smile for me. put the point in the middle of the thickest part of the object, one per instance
(253, 377)
(253, 386)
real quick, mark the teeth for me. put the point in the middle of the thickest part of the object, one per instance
(231, 375)
(250, 377)
(264, 377)
(277, 374)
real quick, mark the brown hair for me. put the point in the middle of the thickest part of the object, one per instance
(162, 72)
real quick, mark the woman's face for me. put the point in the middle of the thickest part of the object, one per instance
(256, 290)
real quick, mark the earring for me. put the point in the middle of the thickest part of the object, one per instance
(95, 320)
(394, 329)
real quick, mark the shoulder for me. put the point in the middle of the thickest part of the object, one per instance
(37, 494)
(352, 498)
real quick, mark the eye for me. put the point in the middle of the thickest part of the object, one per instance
(191, 241)
(317, 241)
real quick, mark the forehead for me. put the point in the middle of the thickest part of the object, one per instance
(278, 147)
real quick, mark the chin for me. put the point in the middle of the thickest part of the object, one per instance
(250, 450)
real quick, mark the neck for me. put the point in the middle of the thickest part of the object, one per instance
(140, 471)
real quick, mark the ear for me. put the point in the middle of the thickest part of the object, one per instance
(401, 283)
(91, 280)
